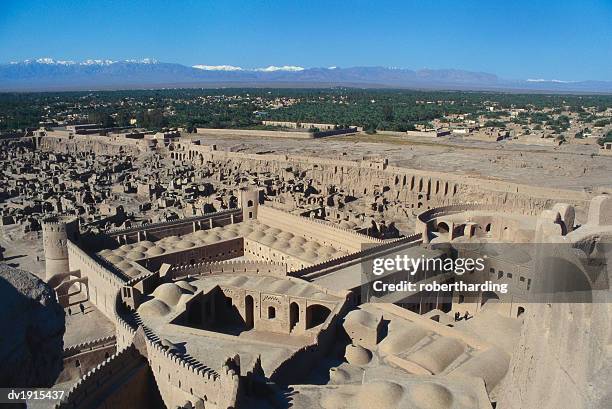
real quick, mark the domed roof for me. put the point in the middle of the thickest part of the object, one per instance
(228, 234)
(430, 396)
(126, 247)
(185, 244)
(362, 317)
(311, 256)
(140, 248)
(268, 239)
(201, 233)
(124, 265)
(169, 293)
(380, 395)
(295, 251)
(298, 240)
(401, 340)
(114, 258)
(244, 230)
(147, 243)
(135, 255)
(281, 245)
(119, 252)
(357, 355)
(132, 272)
(256, 235)
(312, 245)
(186, 286)
(155, 251)
(153, 308)
(212, 238)
(286, 235)
(273, 230)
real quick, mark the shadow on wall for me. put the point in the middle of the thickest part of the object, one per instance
(32, 326)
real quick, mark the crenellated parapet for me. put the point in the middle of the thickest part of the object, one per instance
(354, 257)
(229, 267)
(90, 345)
(195, 381)
(94, 387)
(119, 231)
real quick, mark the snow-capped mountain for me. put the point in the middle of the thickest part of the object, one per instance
(51, 61)
(51, 74)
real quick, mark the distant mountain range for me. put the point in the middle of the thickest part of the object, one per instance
(47, 74)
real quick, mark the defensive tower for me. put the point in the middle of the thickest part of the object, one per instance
(56, 232)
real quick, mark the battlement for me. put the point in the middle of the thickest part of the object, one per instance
(98, 265)
(92, 385)
(230, 266)
(89, 345)
(118, 231)
(307, 271)
(186, 373)
(58, 219)
(326, 223)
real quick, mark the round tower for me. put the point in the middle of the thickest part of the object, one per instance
(56, 232)
(249, 202)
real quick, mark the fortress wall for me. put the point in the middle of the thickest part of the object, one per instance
(124, 331)
(182, 377)
(353, 175)
(102, 284)
(313, 229)
(95, 144)
(89, 346)
(263, 253)
(562, 359)
(81, 358)
(121, 379)
(409, 185)
(229, 267)
(222, 250)
(156, 231)
(356, 257)
(255, 133)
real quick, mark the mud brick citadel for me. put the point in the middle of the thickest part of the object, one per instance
(235, 280)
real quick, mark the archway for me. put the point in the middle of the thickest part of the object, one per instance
(294, 315)
(487, 296)
(443, 229)
(248, 311)
(316, 314)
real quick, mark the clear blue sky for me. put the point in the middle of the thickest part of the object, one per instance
(551, 39)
